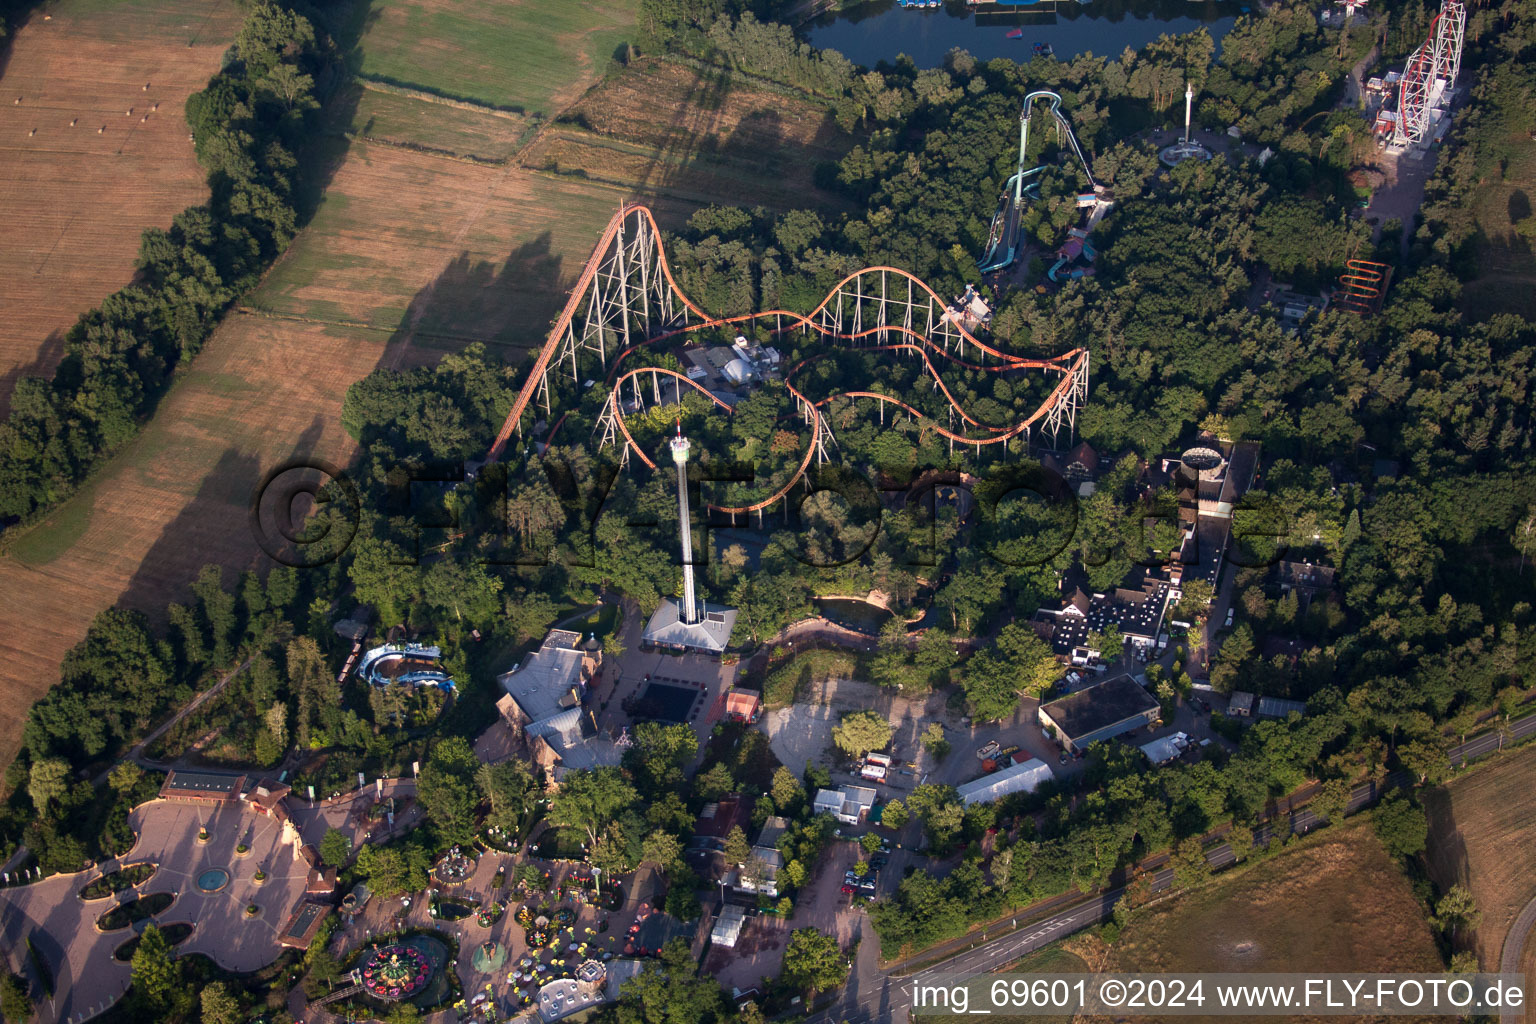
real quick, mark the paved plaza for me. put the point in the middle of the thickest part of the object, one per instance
(62, 926)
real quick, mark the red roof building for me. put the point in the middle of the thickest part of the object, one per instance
(742, 705)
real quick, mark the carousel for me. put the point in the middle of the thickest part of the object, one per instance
(396, 972)
(455, 868)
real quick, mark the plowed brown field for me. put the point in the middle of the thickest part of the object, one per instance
(1482, 834)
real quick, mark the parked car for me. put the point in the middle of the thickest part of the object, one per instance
(879, 862)
(1205, 705)
(846, 890)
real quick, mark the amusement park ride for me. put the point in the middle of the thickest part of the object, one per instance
(626, 298)
(1431, 74)
(1002, 240)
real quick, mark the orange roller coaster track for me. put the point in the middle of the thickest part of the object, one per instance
(1362, 286)
(627, 297)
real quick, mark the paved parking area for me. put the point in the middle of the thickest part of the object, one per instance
(802, 733)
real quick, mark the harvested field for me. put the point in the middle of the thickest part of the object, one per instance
(458, 251)
(461, 251)
(696, 134)
(1334, 903)
(1482, 834)
(526, 55)
(446, 126)
(178, 497)
(74, 199)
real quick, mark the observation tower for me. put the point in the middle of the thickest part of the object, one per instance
(1186, 148)
(687, 623)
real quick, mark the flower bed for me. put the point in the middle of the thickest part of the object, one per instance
(115, 882)
(134, 911)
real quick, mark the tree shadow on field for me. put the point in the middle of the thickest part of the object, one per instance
(326, 148)
(1446, 854)
(1519, 210)
(47, 358)
(506, 306)
(215, 525)
(11, 23)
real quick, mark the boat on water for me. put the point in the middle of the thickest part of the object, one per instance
(1015, 33)
(1044, 50)
(920, 3)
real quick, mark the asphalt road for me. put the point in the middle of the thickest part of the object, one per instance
(884, 998)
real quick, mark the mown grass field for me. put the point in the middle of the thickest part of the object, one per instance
(76, 197)
(666, 125)
(410, 254)
(526, 55)
(178, 497)
(445, 250)
(1504, 195)
(1335, 903)
(374, 112)
(1483, 836)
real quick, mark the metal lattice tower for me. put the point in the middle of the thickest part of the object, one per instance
(1431, 73)
(1451, 30)
(623, 293)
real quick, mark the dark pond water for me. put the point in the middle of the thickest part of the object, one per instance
(854, 614)
(881, 29)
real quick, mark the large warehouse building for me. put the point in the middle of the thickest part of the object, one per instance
(1100, 712)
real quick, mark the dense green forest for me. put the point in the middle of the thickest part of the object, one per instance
(1431, 631)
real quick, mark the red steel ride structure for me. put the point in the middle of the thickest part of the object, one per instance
(1430, 73)
(626, 297)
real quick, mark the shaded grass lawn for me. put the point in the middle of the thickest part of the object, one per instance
(523, 55)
